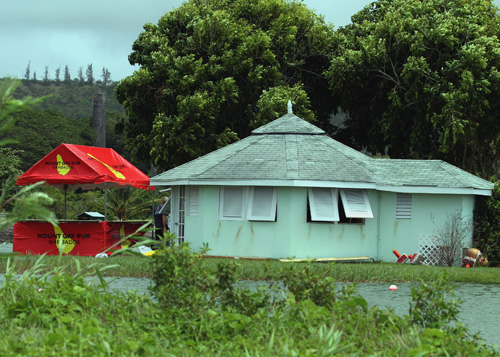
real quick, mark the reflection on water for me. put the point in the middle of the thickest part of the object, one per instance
(140, 285)
(5, 247)
(480, 309)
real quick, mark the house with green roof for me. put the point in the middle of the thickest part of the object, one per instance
(289, 190)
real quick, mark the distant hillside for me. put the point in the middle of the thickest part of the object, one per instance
(71, 100)
(64, 115)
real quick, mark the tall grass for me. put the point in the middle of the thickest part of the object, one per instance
(136, 266)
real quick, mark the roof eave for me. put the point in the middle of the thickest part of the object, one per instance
(263, 182)
(325, 184)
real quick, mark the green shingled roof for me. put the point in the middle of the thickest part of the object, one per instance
(429, 173)
(290, 148)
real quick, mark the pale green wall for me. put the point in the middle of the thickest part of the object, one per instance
(403, 234)
(292, 236)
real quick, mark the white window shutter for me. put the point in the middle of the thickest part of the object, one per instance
(262, 204)
(323, 204)
(356, 204)
(232, 202)
(192, 200)
(404, 206)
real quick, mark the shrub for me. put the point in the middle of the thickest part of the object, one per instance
(452, 237)
(198, 311)
(487, 226)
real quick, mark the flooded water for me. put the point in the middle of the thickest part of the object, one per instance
(480, 308)
(5, 247)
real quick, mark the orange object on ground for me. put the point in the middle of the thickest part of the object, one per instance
(396, 253)
(417, 259)
(402, 259)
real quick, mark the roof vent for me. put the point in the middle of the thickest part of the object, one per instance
(290, 107)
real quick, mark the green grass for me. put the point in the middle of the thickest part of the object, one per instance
(135, 266)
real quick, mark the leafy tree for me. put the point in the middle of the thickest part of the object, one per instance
(58, 74)
(130, 203)
(46, 75)
(420, 79)
(205, 66)
(27, 72)
(106, 76)
(90, 74)
(487, 226)
(271, 104)
(115, 140)
(69, 100)
(76, 203)
(10, 167)
(81, 78)
(67, 75)
(38, 132)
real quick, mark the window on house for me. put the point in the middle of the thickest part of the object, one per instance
(323, 205)
(262, 204)
(231, 203)
(355, 206)
(192, 194)
(403, 206)
(247, 203)
(333, 205)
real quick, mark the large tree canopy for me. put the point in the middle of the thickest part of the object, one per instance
(37, 132)
(420, 79)
(210, 71)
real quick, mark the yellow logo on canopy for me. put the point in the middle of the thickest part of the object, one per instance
(62, 168)
(118, 174)
(63, 241)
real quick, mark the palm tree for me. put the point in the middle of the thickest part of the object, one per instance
(129, 202)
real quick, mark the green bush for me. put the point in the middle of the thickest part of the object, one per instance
(201, 311)
(487, 226)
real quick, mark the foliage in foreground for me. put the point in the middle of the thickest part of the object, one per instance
(195, 310)
(27, 203)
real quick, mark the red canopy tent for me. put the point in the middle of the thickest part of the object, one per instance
(74, 166)
(86, 167)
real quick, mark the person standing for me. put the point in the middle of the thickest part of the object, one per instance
(161, 214)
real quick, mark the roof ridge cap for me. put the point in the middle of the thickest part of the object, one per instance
(359, 162)
(446, 166)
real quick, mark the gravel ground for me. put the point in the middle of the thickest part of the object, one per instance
(7, 234)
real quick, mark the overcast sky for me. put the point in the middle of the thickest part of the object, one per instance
(57, 33)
